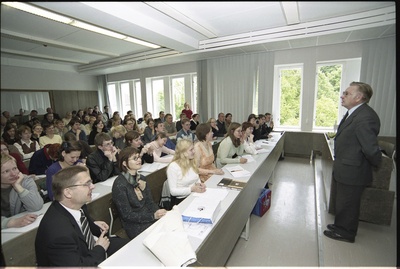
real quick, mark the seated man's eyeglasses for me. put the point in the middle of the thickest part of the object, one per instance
(87, 184)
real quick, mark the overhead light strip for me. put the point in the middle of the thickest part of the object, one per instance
(66, 20)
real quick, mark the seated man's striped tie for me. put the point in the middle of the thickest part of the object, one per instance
(86, 231)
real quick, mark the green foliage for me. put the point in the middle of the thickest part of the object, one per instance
(179, 96)
(290, 97)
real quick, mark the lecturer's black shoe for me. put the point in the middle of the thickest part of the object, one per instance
(336, 236)
(331, 227)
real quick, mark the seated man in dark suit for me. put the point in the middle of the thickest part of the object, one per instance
(65, 234)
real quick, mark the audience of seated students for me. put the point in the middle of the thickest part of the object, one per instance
(129, 123)
(68, 155)
(228, 120)
(269, 122)
(194, 121)
(37, 132)
(80, 115)
(86, 120)
(88, 127)
(49, 137)
(185, 132)
(214, 127)
(115, 120)
(75, 124)
(118, 135)
(143, 122)
(105, 114)
(67, 118)
(50, 110)
(25, 145)
(43, 158)
(204, 154)
(231, 147)
(157, 148)
(59, 128)
(59, 239)
(159, 127)
(170, 128)
(247, 131)
(86, 150)
(263, 127)
(252, 118)
(133, 139)
(98, 127)
(178, 124)
(183, 173)
(131, 196)
(102, 162)
(221, 125)
(17, 156)
(187, 111)
(19, 193)
(48, 118)
(149, 131)
(161, 116)
(10, 135)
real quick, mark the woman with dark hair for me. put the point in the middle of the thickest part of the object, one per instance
(149, 131)
(37, 131)
(248, 137)
(133, 139)
(68, 155)
(25, 145)
(204, 154)
(132, 197)
(157, 148)
(43, 158)
(231, 147)
(98, 127)
(10, 135)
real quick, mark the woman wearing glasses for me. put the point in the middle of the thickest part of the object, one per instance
(132, 197)
(68, 155)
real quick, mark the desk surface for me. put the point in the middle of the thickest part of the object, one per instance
(136, 254)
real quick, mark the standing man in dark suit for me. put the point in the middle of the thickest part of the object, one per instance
(62, 238)
(356, 153)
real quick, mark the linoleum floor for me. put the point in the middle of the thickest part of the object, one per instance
(289, 234)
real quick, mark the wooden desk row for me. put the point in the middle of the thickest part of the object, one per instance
(236, 208)
(19, 247)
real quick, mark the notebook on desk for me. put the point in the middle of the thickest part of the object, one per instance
(230, 183)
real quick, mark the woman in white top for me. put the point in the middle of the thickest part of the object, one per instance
(50, 137)
(157, 148)
(183, 173)
(247, 129)
(25, 145)
(231, 147)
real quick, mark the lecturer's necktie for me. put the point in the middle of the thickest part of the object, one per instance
(344, 118)
(86, 231)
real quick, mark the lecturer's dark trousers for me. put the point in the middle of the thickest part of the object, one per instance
(347, 208)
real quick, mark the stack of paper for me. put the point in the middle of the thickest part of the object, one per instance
(237, 171)
(202, 210)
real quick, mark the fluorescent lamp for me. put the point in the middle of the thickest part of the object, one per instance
(38, 11)
(141, 42)
(56, 17)
(96, 29)
(291, 11)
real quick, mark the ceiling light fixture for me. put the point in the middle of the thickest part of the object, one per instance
(66, 20)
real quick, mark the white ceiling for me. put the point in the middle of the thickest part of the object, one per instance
(186, 31)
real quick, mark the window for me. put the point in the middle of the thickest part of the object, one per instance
(329, 78)
(124, 96)
(287, 96)
(125, 99)
(157, 91)
(178, 93)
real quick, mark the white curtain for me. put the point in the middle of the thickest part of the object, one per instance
(378, 68)
(12, 101)
(231, 83)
